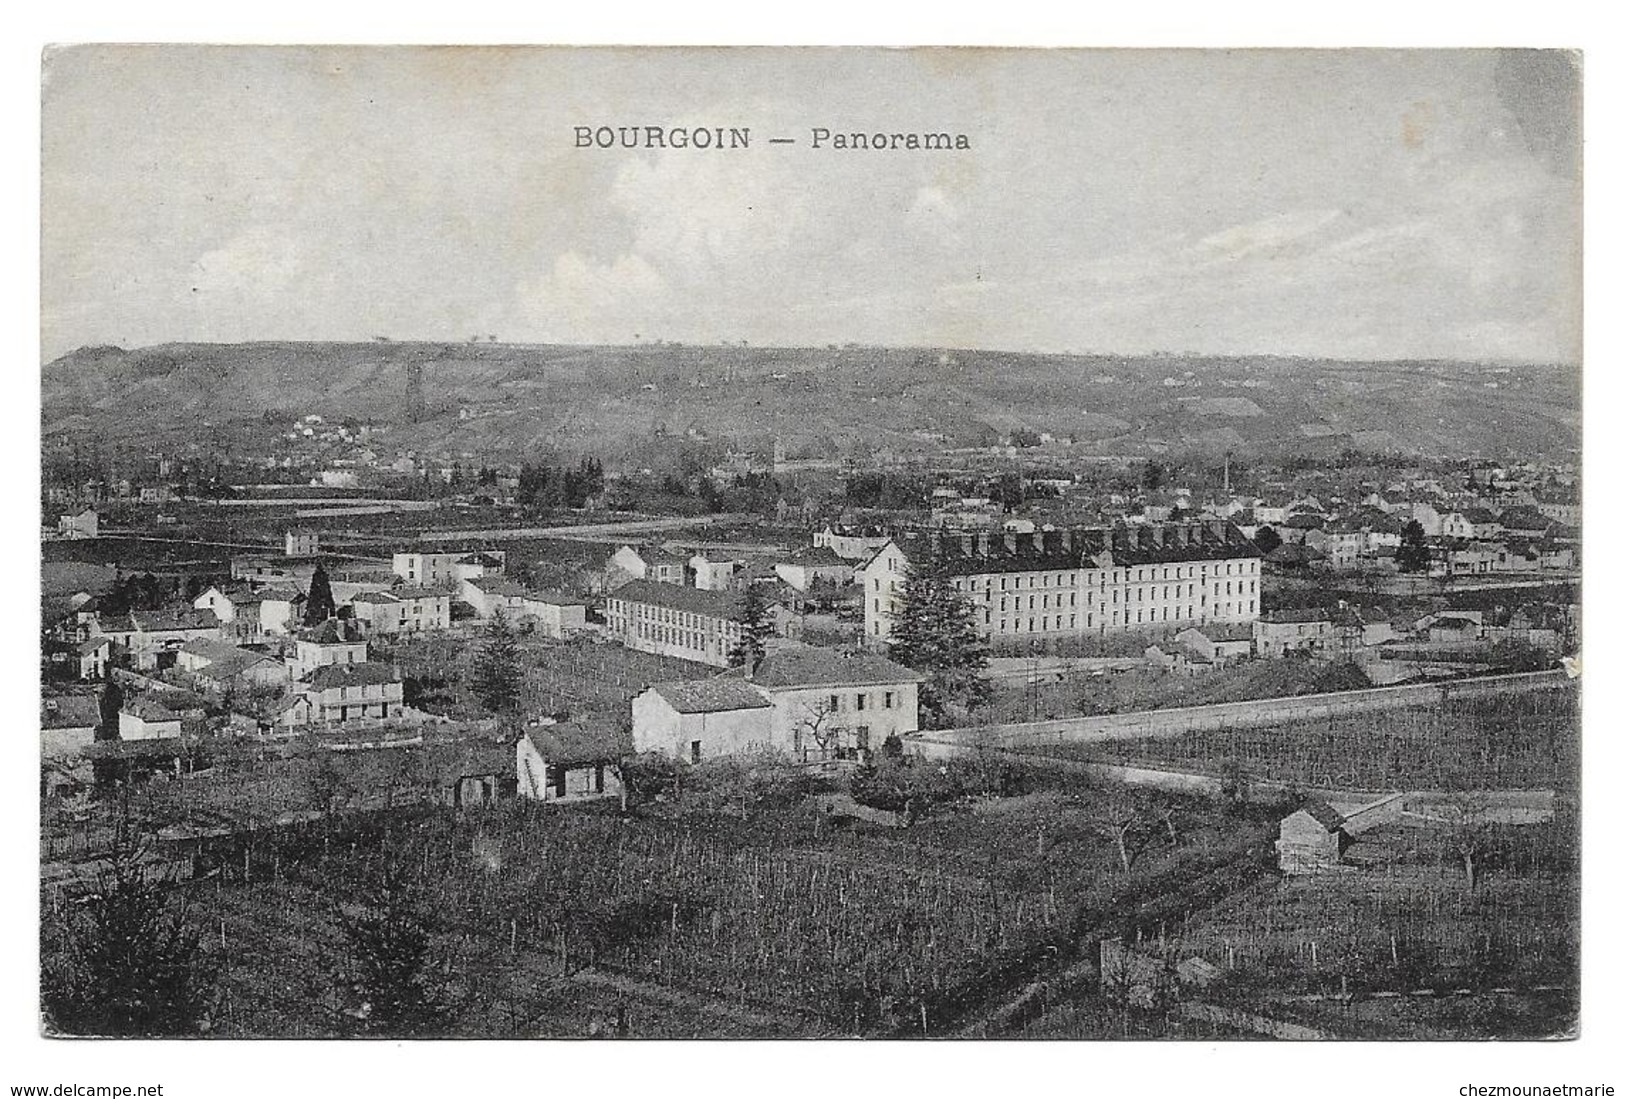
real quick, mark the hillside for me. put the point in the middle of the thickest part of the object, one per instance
(505, 398)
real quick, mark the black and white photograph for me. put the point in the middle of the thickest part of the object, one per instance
(634, 543)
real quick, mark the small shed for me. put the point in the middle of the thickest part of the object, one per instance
(472, 774)
(572, 761)
(1312, 840)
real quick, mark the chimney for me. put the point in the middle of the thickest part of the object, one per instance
(1216, 529)
(982, 540)
(1156, 536)
(967, 543)
(1010, 540)
(1066, 539)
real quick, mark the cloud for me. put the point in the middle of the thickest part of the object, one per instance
(581, 298)
(1267, 238)
(259, 259)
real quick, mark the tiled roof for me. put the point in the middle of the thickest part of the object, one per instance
(1149, 544)
(288, 703)
(188, 618)
(235, 665)
(1232, 632)
(709, 696)
(150, 711)
(210, 648)
(588, 741)
(334, 631)
(811, 666)
(368, 673)
(555, 598)
(496, 585)
(816, 556)
(1294, 553)
(71, 711)
(381, 598)
(1323, 814)
(1297, 614)
(654, 555)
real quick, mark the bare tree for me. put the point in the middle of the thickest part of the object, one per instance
(816, 723)
(1167, 812)
(1119, 816)
(1464, 813)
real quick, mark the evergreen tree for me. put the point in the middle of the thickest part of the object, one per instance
(935, 634)
(112, 701)
(496, 668)
(129, 964)
(319, 605)
(392, 955)
(1413, 554)
(755, 627)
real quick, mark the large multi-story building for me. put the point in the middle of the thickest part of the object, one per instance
(670, 620)
(1079, 582)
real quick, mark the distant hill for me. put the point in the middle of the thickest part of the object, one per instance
(495, 398)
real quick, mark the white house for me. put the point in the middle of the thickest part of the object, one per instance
(157, 636)
(147, 720)
(490, 594)
(1301, 630)
(343, 692)
(712, 573)
(239, 610)
(1427, 517)
(301, 542)
(280, 610)
(333, 642)
(83, 525)
(806, 568)
(647, 563)
(851, 543)
(427, 569)
(68, 723)
(1455, 525)
(95, 653)
(1219, 644)
(200, 652)
(379, 612)
(555, 614)
(830, 705)
(571, 761)
(699, 719)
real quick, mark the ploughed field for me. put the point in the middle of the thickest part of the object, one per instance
(1511, 742)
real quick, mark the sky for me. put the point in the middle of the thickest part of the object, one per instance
(1355, 204)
